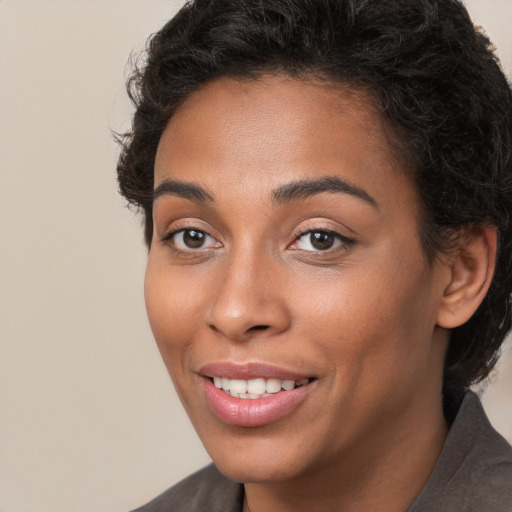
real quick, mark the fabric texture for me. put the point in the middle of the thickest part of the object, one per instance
(205, 491)
(473, 474)
(474, 470)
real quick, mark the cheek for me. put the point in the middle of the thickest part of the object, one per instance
(174, 306)
(365, 322)
(374, 333)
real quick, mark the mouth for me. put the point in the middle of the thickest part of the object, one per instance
(254, 389)
(253, 395)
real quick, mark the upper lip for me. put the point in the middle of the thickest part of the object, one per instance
(249, 370)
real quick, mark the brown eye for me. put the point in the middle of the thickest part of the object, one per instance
(322, 240)
(319, 240)
(193, 239)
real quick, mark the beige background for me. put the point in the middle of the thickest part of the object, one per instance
(88, 420)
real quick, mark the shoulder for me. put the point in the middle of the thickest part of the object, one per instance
(204, 491)
(487, 469)
(474, 471)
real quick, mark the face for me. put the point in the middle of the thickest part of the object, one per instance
(286, 284)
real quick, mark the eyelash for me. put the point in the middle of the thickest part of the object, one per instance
(343, 241)
(168, 238)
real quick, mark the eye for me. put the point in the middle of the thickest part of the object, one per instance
(318, 240)
(190, 239)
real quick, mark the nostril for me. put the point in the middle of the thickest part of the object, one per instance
(254, 328)
(258, 328)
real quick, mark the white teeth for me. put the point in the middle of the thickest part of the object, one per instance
(288, 384)
(256, 388)
(273, 385)
(238, 386)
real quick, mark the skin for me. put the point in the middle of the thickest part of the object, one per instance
(362, 317)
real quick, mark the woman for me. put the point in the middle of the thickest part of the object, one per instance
(327, 194)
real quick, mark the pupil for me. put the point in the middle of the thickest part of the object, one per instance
(322, 240)
(193, 239)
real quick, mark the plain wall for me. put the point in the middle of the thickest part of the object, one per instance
(88, 419)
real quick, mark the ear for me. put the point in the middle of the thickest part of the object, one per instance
(472, 268)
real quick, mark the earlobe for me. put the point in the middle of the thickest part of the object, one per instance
(472, 268)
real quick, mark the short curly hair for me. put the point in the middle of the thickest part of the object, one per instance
(431, 74)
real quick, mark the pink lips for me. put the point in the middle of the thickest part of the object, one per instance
(252, 412)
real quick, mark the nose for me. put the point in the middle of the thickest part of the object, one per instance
(249, 300)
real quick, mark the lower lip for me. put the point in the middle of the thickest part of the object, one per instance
(247, 412)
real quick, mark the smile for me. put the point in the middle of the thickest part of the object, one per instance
(256, 388)
(254, 395)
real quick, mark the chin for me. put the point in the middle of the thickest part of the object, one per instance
(251, 471)
(258, 457)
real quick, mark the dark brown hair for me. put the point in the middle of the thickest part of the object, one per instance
(433, 77)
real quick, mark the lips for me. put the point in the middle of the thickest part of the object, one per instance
(253, 395)
(256, 388)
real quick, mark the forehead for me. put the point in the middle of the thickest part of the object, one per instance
(263, 133)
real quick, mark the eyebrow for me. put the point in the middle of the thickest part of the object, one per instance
(295, 190)
(303, 189)
(182, 189)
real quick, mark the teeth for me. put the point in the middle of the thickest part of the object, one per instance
(238, 386)
(273, 385)
(288, 384)
(256, 388)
